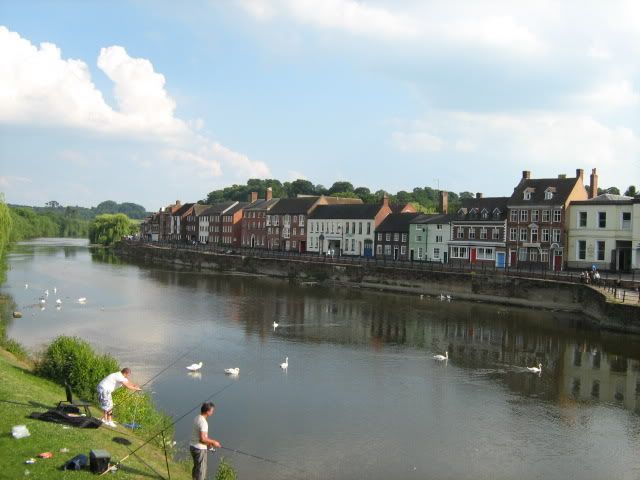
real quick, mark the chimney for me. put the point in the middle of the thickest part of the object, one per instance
(593, 186)
(526, 174)
(177, 203)
(385, 200)
(269, 193)
(444, 202)
(579, 173)
(253, 196)
(479, 195)
(562, 176)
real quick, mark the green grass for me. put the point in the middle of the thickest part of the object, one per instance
(22, 392)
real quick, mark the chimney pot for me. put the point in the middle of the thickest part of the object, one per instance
(444, 202)
(177, 202)
(593, 186)
(526, 174)
(253, 196)
(579, 173)
(269, 193)
(479, 195)
(562, 175)
(385, 200)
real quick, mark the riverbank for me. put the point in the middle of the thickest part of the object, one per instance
(22, 392)
(491, 287)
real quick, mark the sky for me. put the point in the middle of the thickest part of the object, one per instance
(151, 102)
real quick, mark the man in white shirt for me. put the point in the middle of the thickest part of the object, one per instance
(107, 386)
(200, 441)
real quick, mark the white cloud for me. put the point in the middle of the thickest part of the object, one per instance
(616, 94)
(39, 87)
(416, 142)
(12, 181)
(295, 175)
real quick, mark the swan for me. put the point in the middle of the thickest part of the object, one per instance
(46, 293)
(537, 369)
(82, 300)
(195, 366)
(441, 297)
(441, 358)
(285, 365)
(232, 371)
(275, 325)
(58, 302)
(26, 285)
(448, 298)
(42, 301)
(55, 290)
(421, 296)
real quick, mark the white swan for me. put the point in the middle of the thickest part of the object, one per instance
(537, 369)
(42, 301)
(58, 302)
(82, 299)
(46, 293)
(26, 285)
(285, 365)
(441, 358)
(441, 297)
(275, 325)
(55, 290)
(232, 371)
(194, 366)
(448, 298)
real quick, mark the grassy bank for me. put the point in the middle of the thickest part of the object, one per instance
(22, 392)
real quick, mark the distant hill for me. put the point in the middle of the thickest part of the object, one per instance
(132, 210)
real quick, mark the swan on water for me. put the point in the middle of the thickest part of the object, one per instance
(275, 325)
(441, 297)
(26, 285)
(42, 301)
(58, 302)
(537, 369)
(46, 293)
(441, 358)
(82, 299)
(195, 366)
(285, 365)
(448, 298)
(55, 290)
(232, 371)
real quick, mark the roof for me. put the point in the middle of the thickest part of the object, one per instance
(397, 222)
(198, 209)
(472, 209)
(183, 209)
(263, 204)
(218, 208)
(431, 218)
(399, 207)
(294, 205)
(561, 187)
(607, 199)
(238, 206)
(341, 200)
(346, 211)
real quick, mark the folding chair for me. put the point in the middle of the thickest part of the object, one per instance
(70, 403)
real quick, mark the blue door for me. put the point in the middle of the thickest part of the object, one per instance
(500, 259)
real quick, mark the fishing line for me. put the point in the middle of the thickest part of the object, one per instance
(265, 459)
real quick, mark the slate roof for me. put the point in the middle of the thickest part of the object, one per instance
(235, 208)
(218, 208)
(431, 218)
(346, 211)
(472, 208)
(263, 204)
(562, 188)
(397, 222)
(183, 209)
(294, 206)
(607, 199)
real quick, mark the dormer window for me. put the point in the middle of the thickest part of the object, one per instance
(496, 213)
(548, 195)
(485, 213)
(527, 195)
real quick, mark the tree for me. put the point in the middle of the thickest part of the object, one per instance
(465, 195)
(6, 224)
(341, 187)
(631, 191)
(52, 204)
(610, 190)
(108, 229)
(300, 187)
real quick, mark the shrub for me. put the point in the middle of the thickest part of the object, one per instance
(72, 360)
(225, 471)
(139, 408)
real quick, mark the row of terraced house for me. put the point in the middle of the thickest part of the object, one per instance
(546, 223)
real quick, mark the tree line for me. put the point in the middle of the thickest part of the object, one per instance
(131, 210)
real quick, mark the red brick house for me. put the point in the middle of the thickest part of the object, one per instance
(254, 228)
(231, 225)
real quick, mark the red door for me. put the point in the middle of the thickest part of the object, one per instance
(514, 257)
(473, 255)
(557, 262)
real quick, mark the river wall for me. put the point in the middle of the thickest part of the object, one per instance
(474, 286)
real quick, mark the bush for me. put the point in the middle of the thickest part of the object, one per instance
(72, 360)
(139, 408)
(225, 471)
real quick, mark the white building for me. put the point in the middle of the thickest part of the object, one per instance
(604, 231)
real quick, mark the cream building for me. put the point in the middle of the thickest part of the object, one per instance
(604, 231)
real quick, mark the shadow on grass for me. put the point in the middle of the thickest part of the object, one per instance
(136, 471)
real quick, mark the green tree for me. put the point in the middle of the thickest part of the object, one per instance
(609, 190)
(341, 187)
(6, 224)
(108, 229)
(631, 191)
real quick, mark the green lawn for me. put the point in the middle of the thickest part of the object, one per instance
(21, 392)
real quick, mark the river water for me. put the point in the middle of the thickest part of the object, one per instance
(362, 397)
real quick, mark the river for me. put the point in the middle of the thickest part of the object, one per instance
(362, 397)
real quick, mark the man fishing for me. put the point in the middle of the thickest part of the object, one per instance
(200, 441)
(107, 386)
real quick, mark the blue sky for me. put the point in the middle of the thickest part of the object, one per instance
(154, 101)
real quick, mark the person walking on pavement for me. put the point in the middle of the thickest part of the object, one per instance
(200, 441)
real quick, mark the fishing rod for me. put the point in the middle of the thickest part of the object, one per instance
(264, 459)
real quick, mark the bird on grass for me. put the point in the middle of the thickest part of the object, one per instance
(441, 358)
(194, 366)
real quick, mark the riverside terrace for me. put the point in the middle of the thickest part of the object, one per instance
(618, 287)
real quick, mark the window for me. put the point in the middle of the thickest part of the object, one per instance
(544, 255)
(472, 233)
(522, 254)
(396, 237)
(353, 227)
(460, 232)
(626, 220)
(524, 215)
(387, 249)
(404, 237)
(368, 228)
(403, 250)
(582, 249)
(353, 244)
(556, 235)
(546, 216)
(535, 215)
(483, 233)
(379, 237)
(523, 234)
(418, 238)
(360, 228)
(459, 252)
(379, 250)
(533, 255)
(548, 195)
(582, 219)
(439, 227)
(602, 219)
(419, 253)
(485, 214)
(545, 234)
(513, 234)
(294, 244)
(387, 237)
(557, 215)
(600, 250)
(514, 215)
(294, 232)
(346, 228)
(438, 238)
(301, 230)
(534, 235)
(436, 253)
(495, 234)
(527, 194)
(484, 253)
